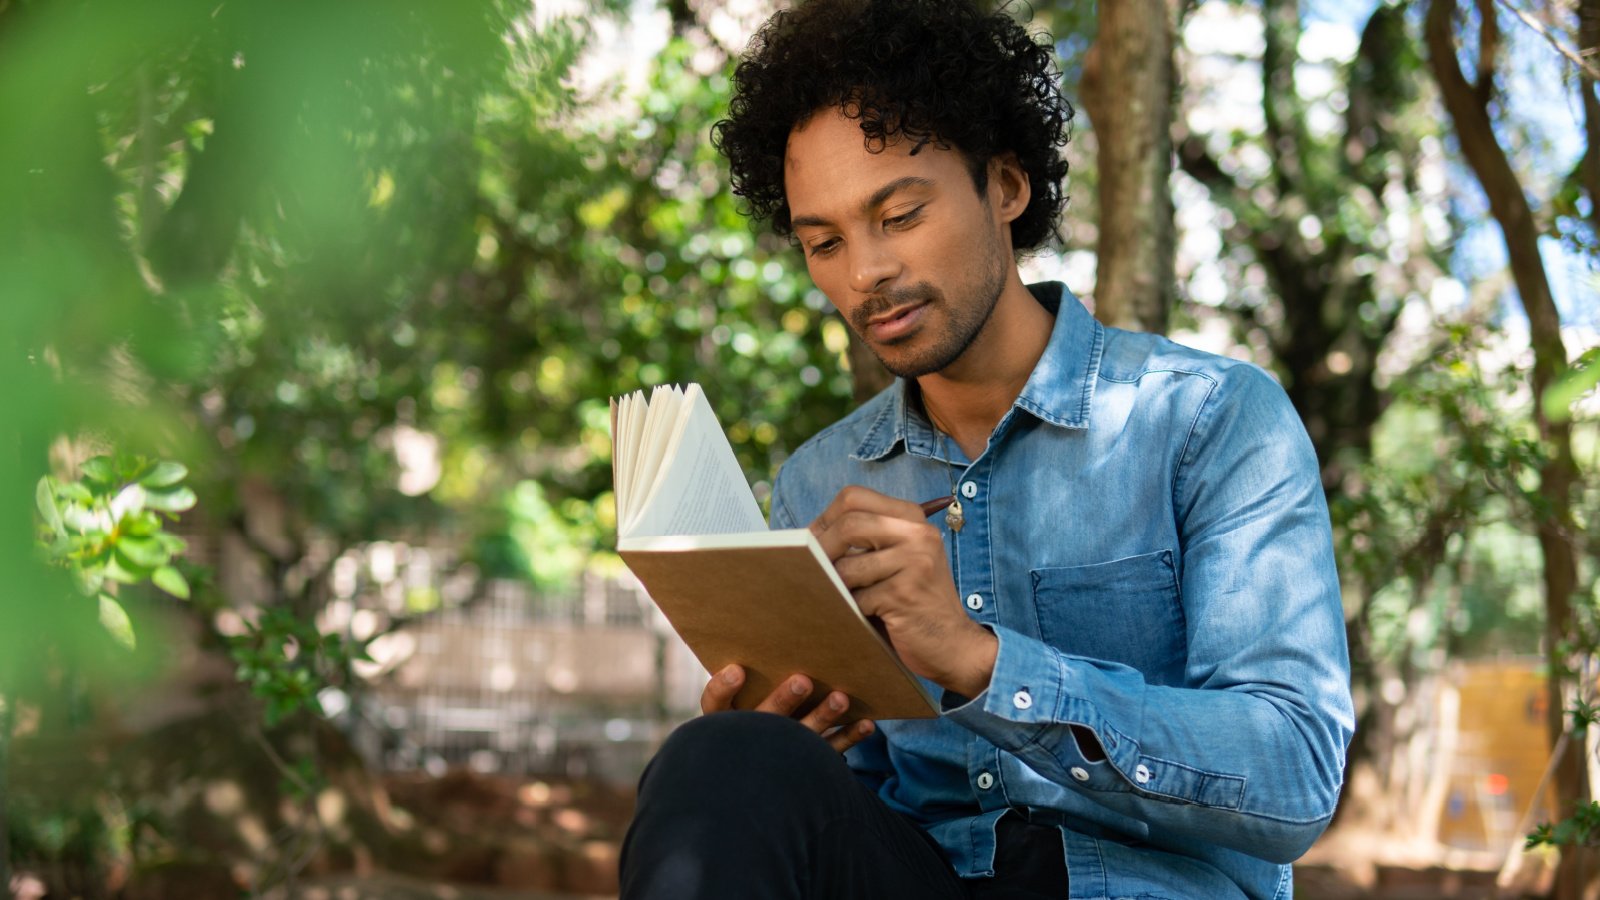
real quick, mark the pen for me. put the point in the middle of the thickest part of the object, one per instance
(929, 507)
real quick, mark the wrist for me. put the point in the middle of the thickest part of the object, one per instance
(975, 665)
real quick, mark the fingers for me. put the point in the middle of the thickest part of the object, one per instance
(830, 710)
(786, 697)
(856, 498)
(721, 689)
(860, 570)
(842, 739)
(874, 531)
(826, 714)
(785, 700)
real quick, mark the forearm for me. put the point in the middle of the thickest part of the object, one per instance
(1256, 767)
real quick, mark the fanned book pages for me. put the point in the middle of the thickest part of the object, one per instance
(691, 531)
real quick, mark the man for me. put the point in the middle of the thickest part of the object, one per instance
(1130, 613)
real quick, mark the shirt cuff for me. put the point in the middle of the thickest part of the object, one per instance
(1024, 690)
(1027, 708)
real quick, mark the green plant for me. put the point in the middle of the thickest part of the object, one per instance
(287, 661)
(109, 528)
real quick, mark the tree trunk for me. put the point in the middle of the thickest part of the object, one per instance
(1128, 86)
(1468, 105)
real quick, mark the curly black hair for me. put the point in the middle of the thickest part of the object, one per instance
(928, 71)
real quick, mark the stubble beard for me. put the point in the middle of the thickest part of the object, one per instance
(965, 322)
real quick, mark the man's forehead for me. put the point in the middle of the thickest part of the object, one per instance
(831, 170)
(828, 140)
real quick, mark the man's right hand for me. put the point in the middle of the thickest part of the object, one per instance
(823, 718)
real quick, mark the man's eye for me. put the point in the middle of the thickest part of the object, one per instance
(903, 219)
(822, 248)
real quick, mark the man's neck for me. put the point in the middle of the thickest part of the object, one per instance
(967, 398)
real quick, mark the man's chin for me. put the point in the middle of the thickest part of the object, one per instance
(909, 364)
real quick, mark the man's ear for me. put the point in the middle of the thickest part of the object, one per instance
(1009, 188)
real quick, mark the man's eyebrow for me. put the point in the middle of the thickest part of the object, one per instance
(878, 198)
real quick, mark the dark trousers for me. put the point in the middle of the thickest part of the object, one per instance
(752, 805)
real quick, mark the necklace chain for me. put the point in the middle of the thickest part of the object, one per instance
(952, 514)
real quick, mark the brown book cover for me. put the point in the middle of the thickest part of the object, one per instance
(689, 528)
(776, 609)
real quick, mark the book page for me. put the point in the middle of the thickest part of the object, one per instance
(660, 422)
(654, 422)
(697, 487)
(627, 433)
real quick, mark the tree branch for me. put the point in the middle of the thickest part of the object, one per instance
(1199, 164)
(1488, 49)
(1488, 161)
(1589, 165)
(1588, 68)
(1284, 114)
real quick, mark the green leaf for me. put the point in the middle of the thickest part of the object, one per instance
(122, 569)
(1572, 385)
(165, 474)
(90, 579)
(142, 524)
(75, 491)
(86, 521)
(172, 581)
(115, 621)
(172, 501)
(99, 470)
(146, 553)
(45, 497)
(128, 502)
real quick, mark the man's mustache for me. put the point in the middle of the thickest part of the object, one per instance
(878, 304)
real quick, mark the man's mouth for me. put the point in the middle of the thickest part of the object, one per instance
(893, 324)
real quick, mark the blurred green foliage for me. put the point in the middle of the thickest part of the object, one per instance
(373, 265)
(1436, 528)
(108, 528)
(377, 267)
(288, 662)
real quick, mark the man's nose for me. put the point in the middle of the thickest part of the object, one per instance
(872, 267)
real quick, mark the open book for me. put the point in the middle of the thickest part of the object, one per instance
(689, 528)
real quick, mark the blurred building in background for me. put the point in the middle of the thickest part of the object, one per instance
(493, 674)
(579, 684)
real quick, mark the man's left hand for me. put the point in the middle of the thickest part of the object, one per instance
(893, 561)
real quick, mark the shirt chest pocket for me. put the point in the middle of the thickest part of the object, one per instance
(1125, 611)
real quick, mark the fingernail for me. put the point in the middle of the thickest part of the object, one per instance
(865, 727)
(836, 702)
(730, 676)
(797, 687)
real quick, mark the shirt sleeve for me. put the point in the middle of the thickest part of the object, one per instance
(1249, 751)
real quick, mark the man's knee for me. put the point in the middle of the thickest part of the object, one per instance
(742, 752)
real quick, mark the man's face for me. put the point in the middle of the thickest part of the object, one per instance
(903, 244)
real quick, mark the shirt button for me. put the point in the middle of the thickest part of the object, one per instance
(969, 489)
(974, 602)
(985, 781)
(1079, 773)
(1141, 774)
(1022, 699)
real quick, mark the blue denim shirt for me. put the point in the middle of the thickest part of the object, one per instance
(1146, 535)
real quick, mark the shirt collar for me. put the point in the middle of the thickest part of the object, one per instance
(1060, 390)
